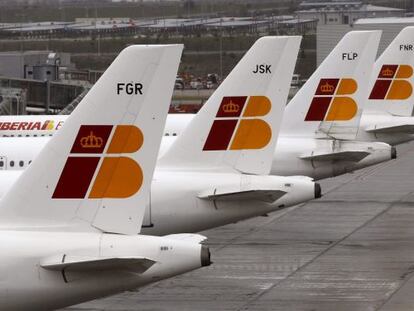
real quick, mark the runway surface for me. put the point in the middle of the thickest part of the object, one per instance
(351, 250)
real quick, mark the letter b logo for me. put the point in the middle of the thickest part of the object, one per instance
(117, 176)
(237, 125)
(392, 83)
(329, 102)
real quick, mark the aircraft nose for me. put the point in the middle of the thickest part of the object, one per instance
(205, 256)
(318, 191)
(393, 152)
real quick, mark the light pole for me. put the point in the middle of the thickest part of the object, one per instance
(221, 50)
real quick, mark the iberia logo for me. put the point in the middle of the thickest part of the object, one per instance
(48, 125)
(117, 176)
(237, 127)
(392, 83)
(329, 102)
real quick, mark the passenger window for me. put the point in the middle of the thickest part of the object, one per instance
(27, 135)
(19, 135)
(35, 135)
(11, 163)
(21, 163)
(30, 161)
(1, 163)
(174, 134)
(167, 134)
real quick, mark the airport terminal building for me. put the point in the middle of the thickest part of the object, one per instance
(336, 18)
(329, 35)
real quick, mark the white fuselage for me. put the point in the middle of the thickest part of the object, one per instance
(371, 119)
(289, 150)
(26, 285)
(174, 205)
(287, 159)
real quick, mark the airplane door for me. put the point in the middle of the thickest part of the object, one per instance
(3, 163)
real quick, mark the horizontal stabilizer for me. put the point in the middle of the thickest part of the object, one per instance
(90, 263)
(229, 194)
(341, 155)
(391, 128)
(189, 237)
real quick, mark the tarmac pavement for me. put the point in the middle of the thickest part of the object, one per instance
(353, 249)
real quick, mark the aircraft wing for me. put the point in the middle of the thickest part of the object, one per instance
(91, 263)
(228, 194)
(340, 155)
(391, 128)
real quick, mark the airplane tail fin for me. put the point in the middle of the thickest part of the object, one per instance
(391, 85)
(95, 173)
(329, 104)
(239, 124)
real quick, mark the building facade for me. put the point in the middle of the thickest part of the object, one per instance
(327, 36)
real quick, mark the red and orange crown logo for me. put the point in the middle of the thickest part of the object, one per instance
(239, 124)
(231, 107)
(327, 88)
(91, 141)
(328, 105)
(387, 72)
(99, 172)
(393, 83)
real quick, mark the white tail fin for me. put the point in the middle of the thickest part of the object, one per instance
(328, 103)
(239, 124)
(391, 84)
(96, 171)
